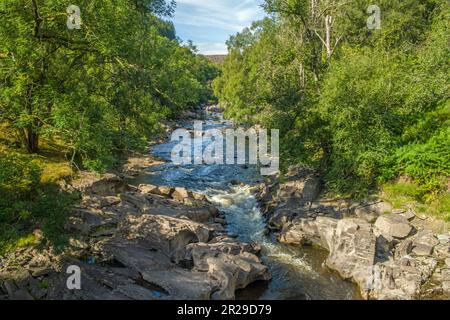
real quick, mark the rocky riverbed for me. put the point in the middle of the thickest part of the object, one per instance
(389, 253)
(138, 243)
(158, 231)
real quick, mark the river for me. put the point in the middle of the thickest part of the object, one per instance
(297, 273)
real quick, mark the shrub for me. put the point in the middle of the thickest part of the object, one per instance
(19, 182)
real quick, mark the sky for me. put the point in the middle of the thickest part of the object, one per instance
(209, 23)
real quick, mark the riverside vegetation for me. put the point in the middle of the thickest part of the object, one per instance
(368, 108)
(78, 99)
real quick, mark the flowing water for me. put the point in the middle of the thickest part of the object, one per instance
(297, 273)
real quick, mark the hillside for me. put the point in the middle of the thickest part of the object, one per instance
(217, 58)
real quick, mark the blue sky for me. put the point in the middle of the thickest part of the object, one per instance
(209, 23)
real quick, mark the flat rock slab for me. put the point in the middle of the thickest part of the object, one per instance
(393, 226)
(353, 247)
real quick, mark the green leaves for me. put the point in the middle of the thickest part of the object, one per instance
(366, 106)
(101, 89)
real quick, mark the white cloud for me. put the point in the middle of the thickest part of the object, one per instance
(211, 22)
(211, 48)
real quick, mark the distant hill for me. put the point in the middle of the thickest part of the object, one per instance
(216, 58)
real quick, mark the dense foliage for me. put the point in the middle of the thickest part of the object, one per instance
(362, 105)
(95, 89)
(102, 88)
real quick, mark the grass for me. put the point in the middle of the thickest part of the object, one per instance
(11, 239)
(51, 157)
(410, 195)
(48, 206)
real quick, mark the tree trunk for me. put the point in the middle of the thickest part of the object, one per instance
(328, 24)
(32, 140)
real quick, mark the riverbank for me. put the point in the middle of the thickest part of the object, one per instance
(390, 253)
(135, 242)
(154, 230)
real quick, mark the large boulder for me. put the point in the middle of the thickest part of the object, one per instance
(301, 231)
(105, 185)
(353, 247)
(166, 234)
(393, 226)
(232, 265)
(394, 280)
(181, 194)
(138, 201)
(424, 243)
(306, 231)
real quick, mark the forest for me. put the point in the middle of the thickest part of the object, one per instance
(77, 98)
(365, 104)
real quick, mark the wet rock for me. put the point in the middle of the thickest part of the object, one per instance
(199, 196)
(221, 221)
(232, 265)
(280, 218)
(353, 247)
(392, 225)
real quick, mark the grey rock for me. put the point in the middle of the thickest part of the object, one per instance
(165, 234)
(181, 194)
(165, 191)
(446, 286)
(366, 213)
(422, 250)
(403, 249)
(137, 200)
(447, 262)
(108, 185)
(409, 215)
(395, 226)
(353, 247)
(443, 238)
(148, 189)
